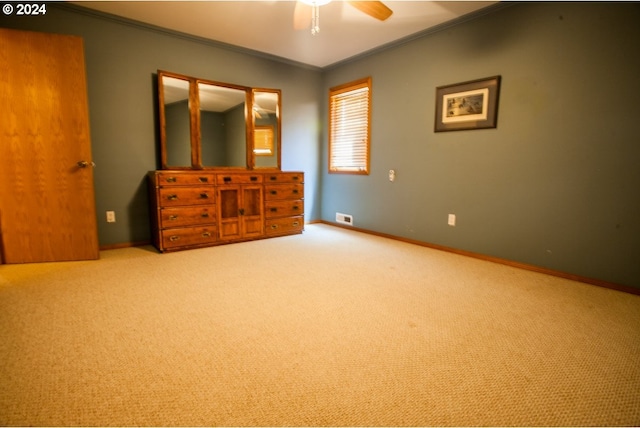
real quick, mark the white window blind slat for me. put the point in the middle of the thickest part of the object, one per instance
(349, 111)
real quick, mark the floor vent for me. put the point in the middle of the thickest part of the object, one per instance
(344, 218)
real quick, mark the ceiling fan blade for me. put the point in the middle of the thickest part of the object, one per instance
(375, 9)
(301, 16)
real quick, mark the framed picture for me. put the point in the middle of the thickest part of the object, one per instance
(468, 105)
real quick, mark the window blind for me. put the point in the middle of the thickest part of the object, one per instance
(263, 140)
(349, 111)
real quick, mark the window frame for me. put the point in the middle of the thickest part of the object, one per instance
(362, 168)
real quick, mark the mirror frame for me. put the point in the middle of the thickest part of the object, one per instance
(196, 134)
(277, 142)
(194, 123)
(163, 122)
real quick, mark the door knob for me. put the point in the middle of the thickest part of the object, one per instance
(84, 164)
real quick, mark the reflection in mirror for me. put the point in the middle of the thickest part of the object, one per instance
(176, 122)
(263, 140)
(223, 130)
(208, 124)
(266, 128)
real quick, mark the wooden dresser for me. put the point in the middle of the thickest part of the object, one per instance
(201, 208)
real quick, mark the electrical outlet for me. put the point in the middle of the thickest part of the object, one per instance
(111, 216)
(452, 220)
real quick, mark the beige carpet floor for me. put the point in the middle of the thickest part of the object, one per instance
(332, 327)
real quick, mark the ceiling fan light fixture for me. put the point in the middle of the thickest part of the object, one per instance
(315, 13)
(375, 9)
(316, 2)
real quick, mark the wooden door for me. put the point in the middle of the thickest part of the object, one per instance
(47, 202)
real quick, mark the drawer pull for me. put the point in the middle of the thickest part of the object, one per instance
(204, 196)
(227, 179)
(274, 210)
(273, 178)
(171, 179)
(172, 197)
(295, 178)
(174, 238)
(274, 192)
(296, 223)
(206, 234)
(295, 207)
(203, 179)
(295, 191)
(274, 226)
(253, 178)
(173, 217)
(204, 215)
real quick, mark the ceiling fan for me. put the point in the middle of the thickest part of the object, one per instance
(375, 9)
(265, 104)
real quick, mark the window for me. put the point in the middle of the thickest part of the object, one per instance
(349, 129)
(263, 140)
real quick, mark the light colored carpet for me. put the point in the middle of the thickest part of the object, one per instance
(332, 327)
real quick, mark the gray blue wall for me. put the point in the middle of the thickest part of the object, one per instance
(556, 184)
(121, 61)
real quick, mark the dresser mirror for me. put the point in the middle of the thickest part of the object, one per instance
(177, 130)
(266, 128)
(206, 124)
(222, 126)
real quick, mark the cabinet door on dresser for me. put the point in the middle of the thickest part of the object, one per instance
(183, 207)
(240, 206)
(284, 203)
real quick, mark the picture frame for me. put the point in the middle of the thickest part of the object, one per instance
(468, 105)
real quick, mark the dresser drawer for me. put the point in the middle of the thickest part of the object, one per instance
(284, 225)
(175, 196)
(283, 191)
(177, 178)
(187, 216)
(238, 178)
(284, 208)
(182, 237)
(284, 177)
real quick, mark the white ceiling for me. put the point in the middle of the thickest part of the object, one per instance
(268, 26)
